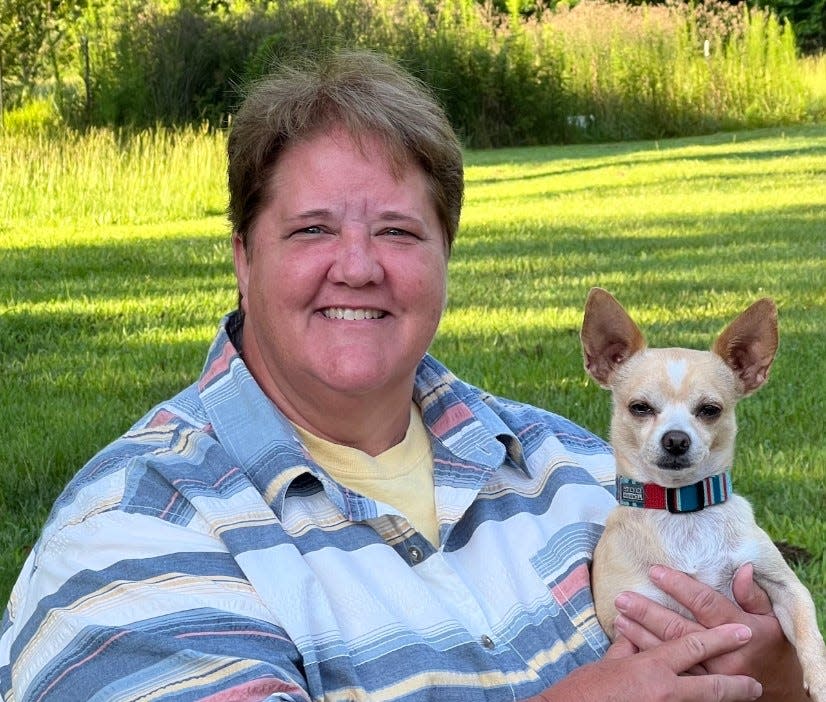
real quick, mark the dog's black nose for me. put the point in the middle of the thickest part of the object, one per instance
(676, 443)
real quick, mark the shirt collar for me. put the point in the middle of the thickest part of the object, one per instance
(248, 425)
(463, 419)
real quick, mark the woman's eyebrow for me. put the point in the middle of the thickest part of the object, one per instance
(311, 214)
(395, 216)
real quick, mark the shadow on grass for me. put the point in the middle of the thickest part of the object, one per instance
(114, 270)
(603, 162)
(779, 254)
(726, 145)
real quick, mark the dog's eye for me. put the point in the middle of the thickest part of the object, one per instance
(641, 409)
(708, 411)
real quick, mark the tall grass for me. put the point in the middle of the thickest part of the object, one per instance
(676, 69)
(814, 77)
(109, 177)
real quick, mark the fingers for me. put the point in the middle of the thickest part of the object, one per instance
(696, 647)
(647, 623)
(644, 640)
(749, 595)
(621, 648)
(708, 606)
(721, 688)
(692, 650)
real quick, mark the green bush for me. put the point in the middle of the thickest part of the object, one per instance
(808, 18)
(33, 118)
(174, 67)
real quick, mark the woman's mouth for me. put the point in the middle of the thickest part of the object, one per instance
(352, 313)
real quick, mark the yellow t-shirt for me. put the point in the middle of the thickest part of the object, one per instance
(401, 477)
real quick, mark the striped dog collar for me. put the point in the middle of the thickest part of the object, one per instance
(689, 498)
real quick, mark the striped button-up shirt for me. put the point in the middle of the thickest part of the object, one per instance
(205, 556)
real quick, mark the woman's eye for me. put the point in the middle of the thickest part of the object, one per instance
(314, 230)
(396, 232)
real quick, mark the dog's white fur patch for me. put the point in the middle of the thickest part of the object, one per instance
(676, 372)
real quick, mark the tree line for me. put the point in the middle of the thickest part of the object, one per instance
(508, 72)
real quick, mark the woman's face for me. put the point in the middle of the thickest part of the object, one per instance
(344, 276)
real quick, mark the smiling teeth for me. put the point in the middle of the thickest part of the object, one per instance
(351, 314)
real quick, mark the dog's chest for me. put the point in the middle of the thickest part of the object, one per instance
(700, 544)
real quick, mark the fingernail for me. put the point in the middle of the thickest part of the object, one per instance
(743, 633)
(623, 602)
(656, 573)
(757, 690)
(619, 622)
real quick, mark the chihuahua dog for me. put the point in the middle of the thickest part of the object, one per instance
(672, 431)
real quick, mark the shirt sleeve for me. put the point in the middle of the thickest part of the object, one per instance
(84, 623)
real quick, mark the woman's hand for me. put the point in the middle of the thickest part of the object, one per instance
(655, 675)
(768, 657)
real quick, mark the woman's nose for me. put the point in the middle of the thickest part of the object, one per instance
(356, 261)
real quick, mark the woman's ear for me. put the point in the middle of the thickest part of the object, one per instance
(242, 268)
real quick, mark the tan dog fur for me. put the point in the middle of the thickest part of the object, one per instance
(694, 392)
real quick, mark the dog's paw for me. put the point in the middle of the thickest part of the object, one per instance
(815, 684)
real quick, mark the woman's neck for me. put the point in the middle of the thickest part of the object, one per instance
(372, 430)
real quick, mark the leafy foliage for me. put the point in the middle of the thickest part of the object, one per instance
(35, 40)
(808, 17)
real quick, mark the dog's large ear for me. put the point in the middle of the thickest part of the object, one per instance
(749, 343)
(609, 336)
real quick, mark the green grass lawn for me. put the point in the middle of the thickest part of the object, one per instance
(115, 268)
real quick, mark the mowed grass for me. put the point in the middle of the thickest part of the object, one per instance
(115, 267)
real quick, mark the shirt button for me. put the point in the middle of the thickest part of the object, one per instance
(487, 642)
(415, 554)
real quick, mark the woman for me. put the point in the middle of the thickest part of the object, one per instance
(328, 513)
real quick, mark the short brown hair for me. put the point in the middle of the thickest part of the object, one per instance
(368, 95)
